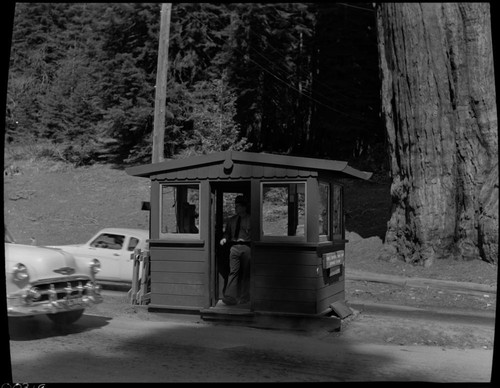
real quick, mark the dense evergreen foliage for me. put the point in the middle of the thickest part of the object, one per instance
(296, 78)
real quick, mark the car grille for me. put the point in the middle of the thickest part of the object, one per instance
(56, 290)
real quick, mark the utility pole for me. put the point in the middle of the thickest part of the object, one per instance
(161, 85)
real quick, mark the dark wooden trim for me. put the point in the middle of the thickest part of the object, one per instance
(181, 243)
(331, 246)
(154, 214)
(158, 308)
(312, 212)
(284, 307)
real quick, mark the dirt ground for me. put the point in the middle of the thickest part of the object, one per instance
(57, 204)
(105, 347)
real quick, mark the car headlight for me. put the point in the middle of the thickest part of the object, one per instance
(95, 266)
(20, 272)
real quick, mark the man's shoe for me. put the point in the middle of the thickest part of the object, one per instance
(228, 301)
(244, 301)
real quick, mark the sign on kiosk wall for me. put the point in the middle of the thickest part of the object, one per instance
(333, 261)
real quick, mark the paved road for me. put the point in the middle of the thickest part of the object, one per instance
(182, 348)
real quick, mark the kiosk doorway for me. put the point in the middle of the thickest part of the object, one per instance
(223, 207)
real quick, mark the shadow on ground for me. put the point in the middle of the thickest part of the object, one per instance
(40, 327)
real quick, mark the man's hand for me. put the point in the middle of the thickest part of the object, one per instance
(223, 241)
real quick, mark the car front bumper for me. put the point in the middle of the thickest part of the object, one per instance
(57, 306)
(22, 304)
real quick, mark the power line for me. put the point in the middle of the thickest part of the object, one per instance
(356, 7)
(326, 86)
(284, 82)
(303, 74)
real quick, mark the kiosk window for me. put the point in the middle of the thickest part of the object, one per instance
(180, 206)
(338, 211)
(283, 209)
(324, 210)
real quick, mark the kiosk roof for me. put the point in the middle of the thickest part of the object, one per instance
(253, 158)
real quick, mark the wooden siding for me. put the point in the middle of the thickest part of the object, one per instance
(178, 302)
(284, 279)
(289, 282)
(179, 276)
(330, 288)
(329, 294)
(290, 278)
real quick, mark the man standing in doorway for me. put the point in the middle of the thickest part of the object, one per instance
(237, 234)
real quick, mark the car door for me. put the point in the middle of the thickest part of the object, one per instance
(127, 259)
(110, 249)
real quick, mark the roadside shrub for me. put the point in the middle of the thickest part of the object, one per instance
(21, 156)
(32, 151)
(80, 154)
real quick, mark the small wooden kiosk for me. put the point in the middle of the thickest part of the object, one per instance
(297, 229)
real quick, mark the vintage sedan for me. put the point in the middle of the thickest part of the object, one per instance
(114, 248)
(42, 280)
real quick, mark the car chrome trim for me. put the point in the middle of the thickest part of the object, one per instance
(53, 307)
(65, 270)
(55, 296)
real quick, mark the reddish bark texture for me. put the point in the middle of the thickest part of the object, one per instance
(439, 104)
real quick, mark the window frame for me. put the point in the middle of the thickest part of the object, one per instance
(340, 226)
(176, 235)
(329, 212)
(276, 238)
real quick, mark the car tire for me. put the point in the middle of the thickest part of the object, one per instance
(66, 318)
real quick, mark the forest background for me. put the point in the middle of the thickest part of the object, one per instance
(405, 84)
(292, 78)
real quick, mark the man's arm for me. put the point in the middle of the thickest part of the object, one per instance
(227, 233)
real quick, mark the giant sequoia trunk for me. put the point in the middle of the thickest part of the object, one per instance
(439, 105)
